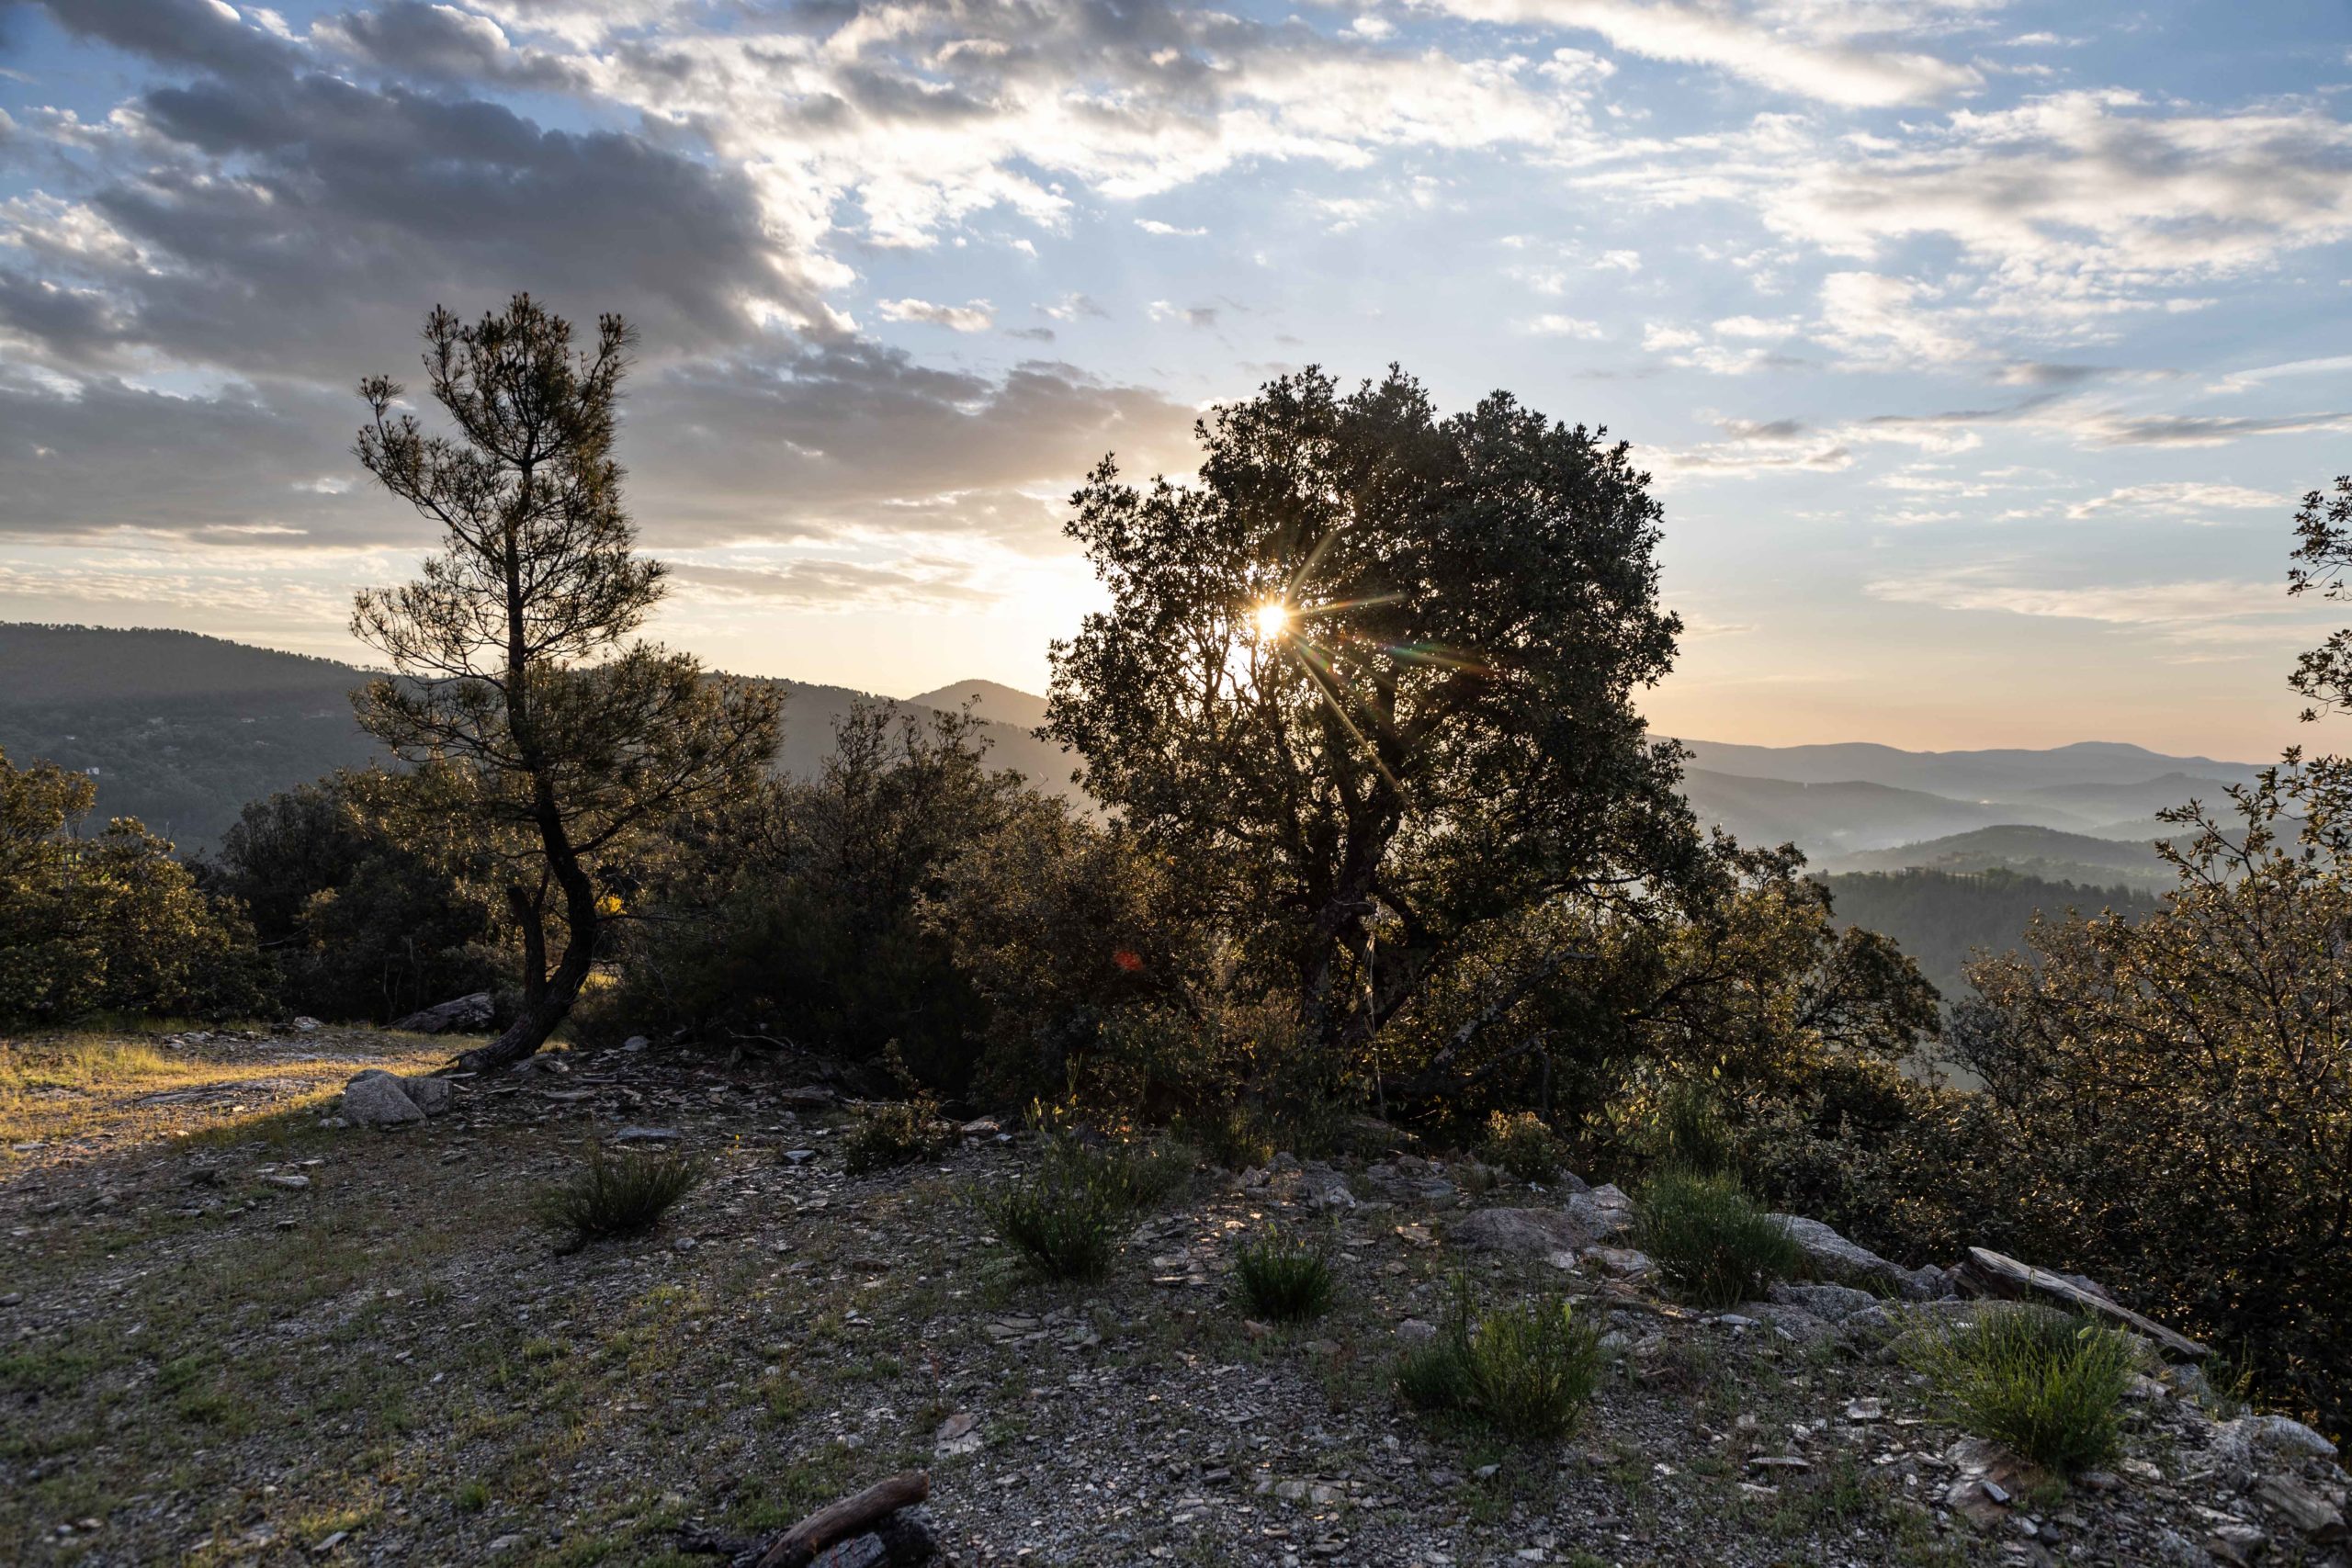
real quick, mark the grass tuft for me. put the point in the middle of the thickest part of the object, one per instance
(1065, 1219)
(618, 1193)
(1283, 1279)
(1526, 1371)
(1714, 1245)
(2047, 1387)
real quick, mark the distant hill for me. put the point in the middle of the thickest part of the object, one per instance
(1831, 818)
(1005, 704)
(2042, 853)
(1943, 918)
(181, 730)
(2003, 775)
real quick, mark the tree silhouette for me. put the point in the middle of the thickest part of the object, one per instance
(510, 652)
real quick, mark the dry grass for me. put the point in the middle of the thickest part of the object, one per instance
(128, 1087)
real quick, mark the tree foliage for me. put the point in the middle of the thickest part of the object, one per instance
(1369, 683)
(511, 649)
(369, 904)
(794, 913)
(108, 921)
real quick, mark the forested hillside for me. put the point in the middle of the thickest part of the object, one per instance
(1942, 917)
(181, 730)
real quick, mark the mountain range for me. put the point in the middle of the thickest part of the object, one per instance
(181, 729)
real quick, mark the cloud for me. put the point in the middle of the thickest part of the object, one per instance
(2210, 611)
(1154, 226)
(976, 316)
(1200, 318)
(2183, 498)
(1812, 51)
(1553, 325)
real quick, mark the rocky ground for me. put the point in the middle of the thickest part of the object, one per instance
(232, 1331)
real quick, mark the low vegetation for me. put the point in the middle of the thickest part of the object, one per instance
(897, 1132)
(1065, 1218)
(618, 1192)
(1523, 1370)
(1714, 1245)
(1523, 1144)
(2046, 1386)
(1284, 1278)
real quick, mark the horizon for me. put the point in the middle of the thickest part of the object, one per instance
(1969, 343)
(2083, 743)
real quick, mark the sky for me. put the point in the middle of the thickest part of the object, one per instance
(1979, 349)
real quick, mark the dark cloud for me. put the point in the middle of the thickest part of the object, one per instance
(852, 433)
(439, 43)
(114, 456)
(310, 221)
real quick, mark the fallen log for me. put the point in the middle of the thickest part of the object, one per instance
(1990, 1273)
(851, 1516)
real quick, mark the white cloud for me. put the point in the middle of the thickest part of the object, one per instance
(1812, 50)
(2184, 498)
(976, 316)
(1550, 324)
(1154, 226)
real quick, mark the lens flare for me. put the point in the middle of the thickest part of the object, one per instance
(1273, 619)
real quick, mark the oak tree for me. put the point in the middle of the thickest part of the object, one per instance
(1370, 680)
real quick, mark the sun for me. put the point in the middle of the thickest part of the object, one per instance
(1273, 618)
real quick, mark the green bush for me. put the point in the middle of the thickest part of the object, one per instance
(1283, 1279)
(1065, 1219)
(618, 1193)
(1712, 1244)
(1522, 1145)
(2048, 1387)
(898, 1133)
(1692, 1133)
(1526, 1371)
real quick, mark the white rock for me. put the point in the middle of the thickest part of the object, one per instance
(375, 1099)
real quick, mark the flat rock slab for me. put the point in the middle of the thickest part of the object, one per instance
(1842, 1262)
(1996, 1274)
(1539, 1231)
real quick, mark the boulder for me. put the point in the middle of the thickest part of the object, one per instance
(1604, 1211)
(1842, 1262)
(2310, 1514)
(1324, 1187)
(2241, 1443)
(431, 1095)
(375, 1099)
(1622, 1262)
(460, 1015)
(1537, 1231)
(1789, 1322)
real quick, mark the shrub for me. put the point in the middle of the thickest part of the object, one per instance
(1712, 1243)
(1526, 1371)
(1691, 1132)
(2048, 1387)
(1064, 1221)
(1283, 1279)
(618, 1193)
(1522, 1145)
(898, 1133)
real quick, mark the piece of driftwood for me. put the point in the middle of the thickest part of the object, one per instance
(1991, 1273)
(843, 1521)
